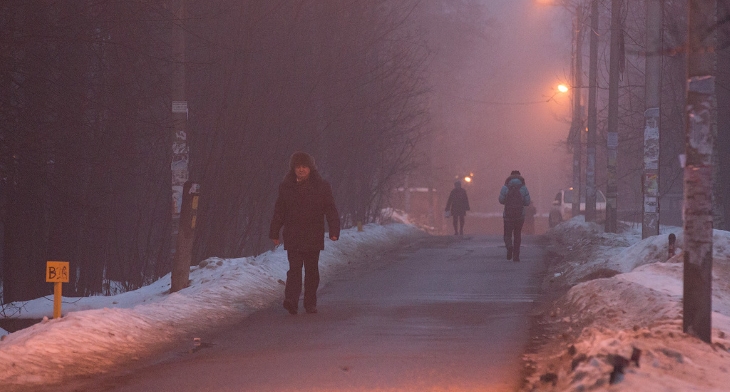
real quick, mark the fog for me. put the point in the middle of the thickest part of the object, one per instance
(381, 93)
(500, 109)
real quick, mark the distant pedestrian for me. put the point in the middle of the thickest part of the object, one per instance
(515, 197)
(304, 202)
(458, 205)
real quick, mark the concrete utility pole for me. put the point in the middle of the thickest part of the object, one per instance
(592, 118)
(652, 77)
(700, 118)
(612, 139)
(576, 126)
(180, 149)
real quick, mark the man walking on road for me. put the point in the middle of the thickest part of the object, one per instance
(458, 204)
(304, 202)
(515, 197)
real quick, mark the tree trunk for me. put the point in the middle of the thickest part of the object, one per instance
(590, 209)
(701, 119)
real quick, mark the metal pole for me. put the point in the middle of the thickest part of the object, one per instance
(57, 295)
(700, 118)
(652, 75)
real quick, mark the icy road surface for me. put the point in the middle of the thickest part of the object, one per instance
(446, 313)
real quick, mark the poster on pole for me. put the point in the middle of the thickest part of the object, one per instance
(179, 106)
(651, 184)
(651, 148)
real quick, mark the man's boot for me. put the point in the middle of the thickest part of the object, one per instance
(516, 255)
(509, 253)
(290, 306)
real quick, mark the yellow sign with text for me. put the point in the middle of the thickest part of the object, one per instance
(57, 271)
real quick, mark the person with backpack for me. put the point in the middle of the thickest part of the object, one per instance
(515, 197)
(458, 205)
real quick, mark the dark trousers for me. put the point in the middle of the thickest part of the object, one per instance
(458, 224)
(310, 261)
(513, 228)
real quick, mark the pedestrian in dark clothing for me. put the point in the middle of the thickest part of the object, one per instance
(458, 205)
(304, 202)
(515, 197)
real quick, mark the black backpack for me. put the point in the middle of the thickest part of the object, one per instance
(513, 202)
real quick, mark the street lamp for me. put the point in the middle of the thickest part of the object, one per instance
(467, 178)
(560, 89)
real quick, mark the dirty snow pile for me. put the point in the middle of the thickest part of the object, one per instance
(619, 326)
(97, 333)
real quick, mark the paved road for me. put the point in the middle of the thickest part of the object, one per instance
(447, 313)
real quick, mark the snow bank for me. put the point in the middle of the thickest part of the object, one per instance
(98, 333)
(595, 329)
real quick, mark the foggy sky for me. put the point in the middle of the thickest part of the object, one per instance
(498, 115)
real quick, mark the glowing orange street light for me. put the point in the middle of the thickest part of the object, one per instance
(561, 89)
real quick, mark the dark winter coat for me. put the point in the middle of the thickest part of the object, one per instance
(515, 180)
(301, 209)
(458, 203)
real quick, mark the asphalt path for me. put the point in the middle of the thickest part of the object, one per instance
(445, 313)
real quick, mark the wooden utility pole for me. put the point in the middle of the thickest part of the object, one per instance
(592, 118)
(652, 77)
(700, 119)
(576, 126)
(612, 134)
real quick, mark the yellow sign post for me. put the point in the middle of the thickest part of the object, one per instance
(57, 272)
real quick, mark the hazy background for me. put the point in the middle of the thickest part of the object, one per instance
(384, 94)
(499, 109)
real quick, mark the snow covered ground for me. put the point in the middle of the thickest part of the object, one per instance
(624, 296)
(626, 300)
(97, 333)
